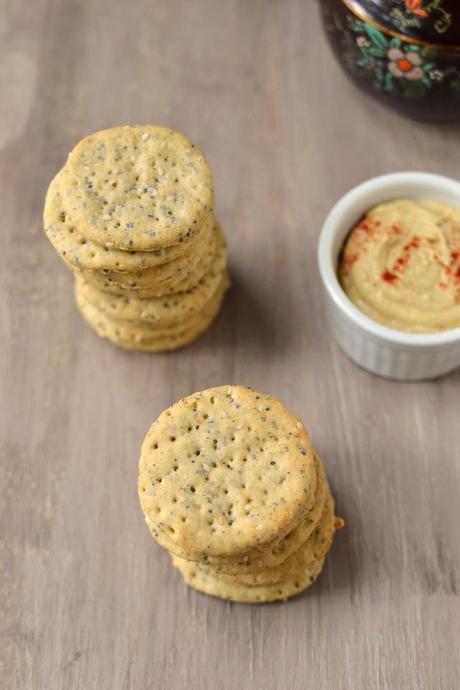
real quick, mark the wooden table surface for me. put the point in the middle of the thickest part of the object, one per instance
(88, 600)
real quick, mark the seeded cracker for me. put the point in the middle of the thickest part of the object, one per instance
(230, 555)
(137, 187)
(276, 552)
(175, 276)
(313, 549)
(81, 253)
(225, 470)
(131, 214)
(263, 556)
(216, 587)
(171, 272)
(167, 309)
(149, 338)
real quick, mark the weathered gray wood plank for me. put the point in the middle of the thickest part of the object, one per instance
(88, 601)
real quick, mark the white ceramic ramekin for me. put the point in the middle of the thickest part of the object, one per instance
(382, 350)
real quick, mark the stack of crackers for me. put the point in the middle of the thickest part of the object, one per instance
(131, 214)
(231, 486)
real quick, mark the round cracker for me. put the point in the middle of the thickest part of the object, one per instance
(270, 555)
(150, 338)
(169, 280)
(138, 187)
(174, 271)
(225, 470)
(316, 547)
(167, 309)
(81, 253)
(259, 594)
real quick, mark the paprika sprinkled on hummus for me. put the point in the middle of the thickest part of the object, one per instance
(401, 266)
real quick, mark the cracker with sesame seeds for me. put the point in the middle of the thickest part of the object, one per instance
(276, 552)
(139, 335)
(131, 214)
(138, 187)
(178, 275)
(166, 343)
(138, 328)
(268, 556)
(82, 253)
(215, 586)
(225, 470)
(169, 309)
(315, 547)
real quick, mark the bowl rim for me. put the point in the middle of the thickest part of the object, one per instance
(328, 272)
(356, 8)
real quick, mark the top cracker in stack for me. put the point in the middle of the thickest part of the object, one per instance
(131, 213)
(230, 485)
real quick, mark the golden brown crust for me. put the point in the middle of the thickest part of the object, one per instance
(225, 470)
(139, 187)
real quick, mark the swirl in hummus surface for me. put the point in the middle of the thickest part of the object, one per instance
(400, 265)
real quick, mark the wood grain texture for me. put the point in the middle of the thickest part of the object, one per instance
(88, 601)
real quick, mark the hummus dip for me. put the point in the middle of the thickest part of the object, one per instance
(401, 266)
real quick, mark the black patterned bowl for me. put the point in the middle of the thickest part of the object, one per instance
(404, 52)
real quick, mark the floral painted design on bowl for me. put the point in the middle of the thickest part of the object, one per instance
(402, 71)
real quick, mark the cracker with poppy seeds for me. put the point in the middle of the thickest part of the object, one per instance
(167, 309)
(269, 555)
(166, 343)
(137, 335)
(315, 547)
(139, 187)
(173, 272)
(139, 327)
(215, 586)
(275, 554)
(83, 254)
(178, 275)
(225, 470)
